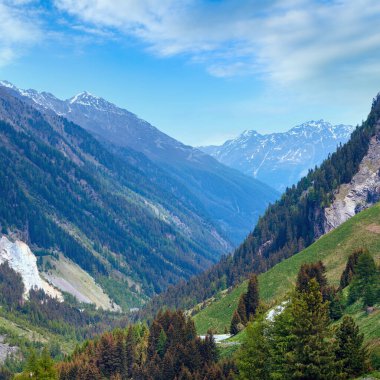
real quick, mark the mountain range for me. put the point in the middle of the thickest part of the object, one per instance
(134, 222)
(347, 182)
(281, 159)
(231, 199)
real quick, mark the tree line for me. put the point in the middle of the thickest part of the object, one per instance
(288, 226)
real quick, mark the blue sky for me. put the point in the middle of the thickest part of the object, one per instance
(201, 71)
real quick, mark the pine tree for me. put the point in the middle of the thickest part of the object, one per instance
(242, 310)
(312, 355)
(89, 371)
(366, 282)
(254, 360)
(209, 349)
(235, 323)
(310, 271)
(168, 365)
(185, 374)
(32, 362)
(350, 269)
(45, 368)
(161, 343)
(335, 306)
(350, 350)
(130, 352)
(281, 343)
(252, 297)
(107, 356)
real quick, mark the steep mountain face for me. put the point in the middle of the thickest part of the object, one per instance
(232, 200)
(281, 159)
(20, 258)
(301, 216)
(121, 219)
(360, 193)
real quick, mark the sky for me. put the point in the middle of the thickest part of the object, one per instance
(202, 71)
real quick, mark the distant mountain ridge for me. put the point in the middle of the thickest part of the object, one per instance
(231, 199)
(345, 183)
(281, 159)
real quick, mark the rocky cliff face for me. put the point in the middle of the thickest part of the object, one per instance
(21, 259)
(362, 192)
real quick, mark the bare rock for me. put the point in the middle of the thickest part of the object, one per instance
(362, 192)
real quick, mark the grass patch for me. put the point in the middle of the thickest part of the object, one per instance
(333, 249)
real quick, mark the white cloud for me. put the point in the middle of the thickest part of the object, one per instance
(285, 41)
(18, 29)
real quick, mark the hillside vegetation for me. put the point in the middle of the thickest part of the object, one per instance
(363, 230)
(63, 192)
(287, 227)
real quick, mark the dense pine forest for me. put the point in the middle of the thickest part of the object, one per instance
(307, 337)
(288, 226)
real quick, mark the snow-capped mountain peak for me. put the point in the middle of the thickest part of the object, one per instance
(85, 98)
(7, 84)
(281, 159)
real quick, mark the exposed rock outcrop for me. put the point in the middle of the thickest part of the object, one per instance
(362, 192)
(21, 259)
(6, 350)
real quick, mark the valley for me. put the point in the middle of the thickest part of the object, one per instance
(189, 190)
(102, 237)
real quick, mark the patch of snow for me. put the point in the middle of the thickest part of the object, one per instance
(218, 337)
(7, 84)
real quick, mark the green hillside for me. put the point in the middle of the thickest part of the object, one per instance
(287, 226)
(363, 230)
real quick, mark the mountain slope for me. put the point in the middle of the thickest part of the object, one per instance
(281, 159)
(232, 200)
(333, 249)
(124, 221)
(292, 223)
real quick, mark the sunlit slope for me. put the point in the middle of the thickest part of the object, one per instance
(363, 230)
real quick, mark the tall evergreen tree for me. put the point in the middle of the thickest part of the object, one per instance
(312, 356)
(350, 350)
(366, 281)
(242, 309)
(309, 271)
(235, 323)
(254, 360)
(350, 269)
(161, 343)
(252, 297)
(46, 369)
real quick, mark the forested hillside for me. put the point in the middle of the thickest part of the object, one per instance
(289, 225)
(233, 201)
(133, 228)
(360, 232)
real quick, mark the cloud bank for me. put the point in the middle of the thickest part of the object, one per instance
(285, 41)
(19, 28)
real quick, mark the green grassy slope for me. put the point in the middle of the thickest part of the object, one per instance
(363, 230)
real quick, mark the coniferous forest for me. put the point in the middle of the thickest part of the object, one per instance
(309, 335)
(162, 248)
(299, 340)
(288, 226)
